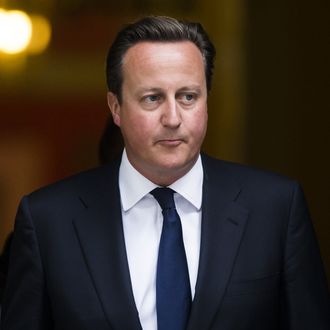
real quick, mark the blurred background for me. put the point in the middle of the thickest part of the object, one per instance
(269, 106)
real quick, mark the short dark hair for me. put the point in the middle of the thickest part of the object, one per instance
(156, 28)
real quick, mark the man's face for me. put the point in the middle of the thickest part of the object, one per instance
(163, 114)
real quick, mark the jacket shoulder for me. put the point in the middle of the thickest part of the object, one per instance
(247, 177)
(68, 190)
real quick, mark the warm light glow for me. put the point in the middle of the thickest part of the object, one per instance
(15, 31)
(41, 33)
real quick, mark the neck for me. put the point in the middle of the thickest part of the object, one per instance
(163, 176)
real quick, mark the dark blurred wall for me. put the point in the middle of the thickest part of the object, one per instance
(288, 83)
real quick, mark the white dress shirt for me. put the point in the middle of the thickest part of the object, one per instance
(142, 223)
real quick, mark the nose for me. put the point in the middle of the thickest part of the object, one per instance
(171, 116)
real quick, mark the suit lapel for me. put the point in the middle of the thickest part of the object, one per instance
(223, 223)
(100, 233)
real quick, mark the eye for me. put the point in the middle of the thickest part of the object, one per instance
(151, 101)
(151, 98)
(187, 98)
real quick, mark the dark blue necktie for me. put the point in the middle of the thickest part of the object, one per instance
(173, 295)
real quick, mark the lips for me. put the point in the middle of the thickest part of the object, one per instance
(172, 142)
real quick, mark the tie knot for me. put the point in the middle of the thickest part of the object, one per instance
(164, 197)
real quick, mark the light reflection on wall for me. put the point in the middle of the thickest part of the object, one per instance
(41, 34)
(15, 31)
(23, 33)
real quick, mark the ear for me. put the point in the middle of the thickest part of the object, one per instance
(114, 107)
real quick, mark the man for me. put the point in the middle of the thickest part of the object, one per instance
(106, 250)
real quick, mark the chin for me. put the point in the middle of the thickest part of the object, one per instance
(174, 163)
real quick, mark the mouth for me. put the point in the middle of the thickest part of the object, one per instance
(170, 142)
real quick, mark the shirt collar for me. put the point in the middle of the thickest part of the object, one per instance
(134, 186)
(190, 186)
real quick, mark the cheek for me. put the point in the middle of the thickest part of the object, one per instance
(198, 124)
(137, 128)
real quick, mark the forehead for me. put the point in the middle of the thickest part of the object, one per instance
(163, 64)
(147, 53)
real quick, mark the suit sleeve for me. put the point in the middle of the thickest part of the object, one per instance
(306, 294)
(25, 305)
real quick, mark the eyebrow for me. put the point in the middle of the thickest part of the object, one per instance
(151, 89)
(195, 88)
(190, 88)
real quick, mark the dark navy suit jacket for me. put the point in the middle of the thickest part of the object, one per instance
(260, 267)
